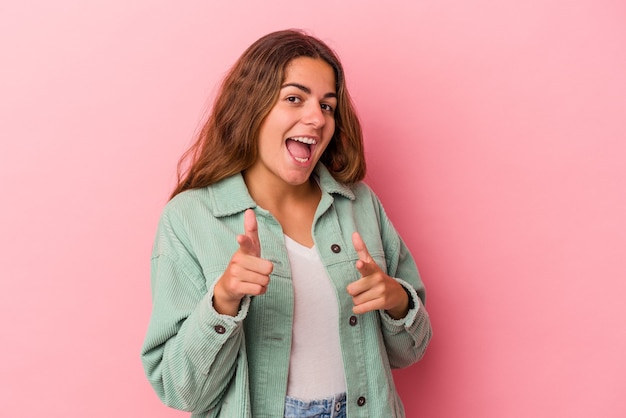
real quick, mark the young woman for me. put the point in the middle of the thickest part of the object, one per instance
(280, 287)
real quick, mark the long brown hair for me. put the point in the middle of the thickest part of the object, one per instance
(227, 143)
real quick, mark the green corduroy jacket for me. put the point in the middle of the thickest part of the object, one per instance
(220, 366)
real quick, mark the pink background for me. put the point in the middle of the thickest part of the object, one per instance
(495, 135)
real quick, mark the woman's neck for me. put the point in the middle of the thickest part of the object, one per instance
(293, 207)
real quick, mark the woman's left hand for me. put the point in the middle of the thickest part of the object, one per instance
(375, 289)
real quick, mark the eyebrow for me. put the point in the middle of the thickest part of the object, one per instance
(306, 89)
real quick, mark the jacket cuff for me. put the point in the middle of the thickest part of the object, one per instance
(215, 319)
(399, 325)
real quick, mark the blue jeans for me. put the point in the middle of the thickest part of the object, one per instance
(333, 407)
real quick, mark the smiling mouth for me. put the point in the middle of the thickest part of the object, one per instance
(301, 147)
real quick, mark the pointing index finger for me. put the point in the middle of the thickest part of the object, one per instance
(360, 248)
(249, 241)
(366, 264)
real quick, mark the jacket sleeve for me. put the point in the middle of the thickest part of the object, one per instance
(405, 339)
(190, 351)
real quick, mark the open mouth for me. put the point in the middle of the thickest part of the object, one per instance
(301, 148)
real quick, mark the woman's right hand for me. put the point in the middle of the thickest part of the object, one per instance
(247, 273)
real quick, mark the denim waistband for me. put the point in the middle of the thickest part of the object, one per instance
(331, 407)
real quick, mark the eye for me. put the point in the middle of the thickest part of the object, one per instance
(328, 108)
(293, 99)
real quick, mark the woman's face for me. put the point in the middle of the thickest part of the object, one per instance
(299, 127)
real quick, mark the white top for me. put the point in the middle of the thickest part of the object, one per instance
(315, 366)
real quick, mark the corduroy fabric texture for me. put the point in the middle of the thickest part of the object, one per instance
(220, 366)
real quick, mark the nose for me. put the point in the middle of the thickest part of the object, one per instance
(314, 116)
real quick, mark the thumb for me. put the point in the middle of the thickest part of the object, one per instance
(249, 240)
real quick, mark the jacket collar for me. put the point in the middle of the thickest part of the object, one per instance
(231, 196)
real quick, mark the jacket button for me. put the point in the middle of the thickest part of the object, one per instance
(335, 248)
(360, 401)
(353, 320)
(220, 329)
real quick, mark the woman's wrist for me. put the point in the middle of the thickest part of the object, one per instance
(224, 305)
(403, 308)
